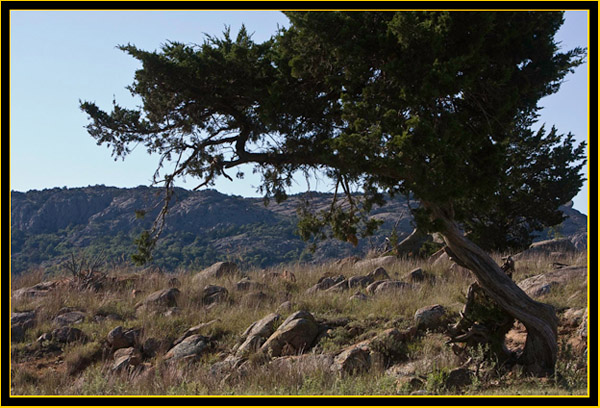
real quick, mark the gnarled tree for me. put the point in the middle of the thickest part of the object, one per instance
(438, 105)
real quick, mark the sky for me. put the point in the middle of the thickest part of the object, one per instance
(58, 58)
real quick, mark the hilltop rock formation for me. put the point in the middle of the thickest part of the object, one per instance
(201, 228)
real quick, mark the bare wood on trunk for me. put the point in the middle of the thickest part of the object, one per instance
(540, 352)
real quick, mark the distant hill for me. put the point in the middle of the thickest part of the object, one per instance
(202, 227)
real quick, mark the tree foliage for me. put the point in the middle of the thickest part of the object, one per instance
(434, 104)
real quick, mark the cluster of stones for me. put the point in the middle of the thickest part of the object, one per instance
(279, 342)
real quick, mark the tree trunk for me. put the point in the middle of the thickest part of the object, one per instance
(540, 352)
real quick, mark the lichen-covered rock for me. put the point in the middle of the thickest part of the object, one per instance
(119, 338)
(216, 271)
(352, 360)
(17, 333)
(379, 274)
(257, 333)
(163, 297)
(339, 287)
(195, 330)
(25, 319)
(543, 284)
(325, 283)
(69, 318)
(214, 294)
(295, 335)
(416, 275)
(191, 347)
(430, 317)
(546, 247)
(359, 281)
(126, 357)
(67, 334)
(385, 286)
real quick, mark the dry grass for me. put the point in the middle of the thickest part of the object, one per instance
(367, 318)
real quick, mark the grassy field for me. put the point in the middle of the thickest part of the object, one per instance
(85, 368)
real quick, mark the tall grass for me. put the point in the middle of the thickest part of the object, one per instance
(366, 318)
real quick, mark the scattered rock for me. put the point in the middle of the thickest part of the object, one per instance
(119, 338)
(572, 317)
(376, 262)
(352, 360)
(100, 317)
(19, 323)
(126, 357)
(458, 378)
(214, 294)
(416, 275)
(359, 281)
(430, 317)
(17, 333)
(216, 271)
(67, 334)
(247, 284)
(560, 245)
(25, 319)
(190, 348)
(542, 284)
(39, 290)
(339, 287)
(151, 347)
(379, 274)
(295, 335)
(406, 369)
(379, 287)
(195, 330)
(69, 318)
(325, 283)
(163, 297)
(262, 328)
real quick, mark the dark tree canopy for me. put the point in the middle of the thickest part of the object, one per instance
(434, 104)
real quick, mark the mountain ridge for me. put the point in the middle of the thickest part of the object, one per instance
(202, 227)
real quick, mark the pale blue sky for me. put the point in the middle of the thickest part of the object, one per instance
(60, 57)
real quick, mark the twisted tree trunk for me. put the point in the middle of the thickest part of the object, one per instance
(540, 352)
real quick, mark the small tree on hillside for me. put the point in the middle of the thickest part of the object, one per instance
(433, 104)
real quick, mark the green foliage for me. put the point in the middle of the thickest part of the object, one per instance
(145, 246)
(353, 95)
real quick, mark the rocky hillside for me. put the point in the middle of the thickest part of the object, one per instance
(202, 227)
(380, 326)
